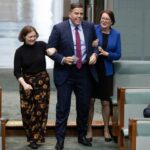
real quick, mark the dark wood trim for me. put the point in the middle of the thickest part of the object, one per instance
(132, 133)
(121, 101)
(0, 102)
(3, 130)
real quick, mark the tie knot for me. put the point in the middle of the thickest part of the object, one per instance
(76, 28)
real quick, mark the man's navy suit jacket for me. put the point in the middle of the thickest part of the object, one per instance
(61, 39)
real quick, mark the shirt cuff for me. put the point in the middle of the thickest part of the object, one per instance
(62, 61)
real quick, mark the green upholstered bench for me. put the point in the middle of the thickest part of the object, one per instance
(139, 134)
(128, 73)
(131, 103)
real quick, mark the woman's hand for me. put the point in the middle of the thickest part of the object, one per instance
(26, 86)
(103, 52)
(51, 51)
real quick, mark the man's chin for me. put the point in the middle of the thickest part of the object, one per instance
(77, 23)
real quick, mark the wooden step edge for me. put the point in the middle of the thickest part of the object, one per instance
(50, 123)
(15, 128)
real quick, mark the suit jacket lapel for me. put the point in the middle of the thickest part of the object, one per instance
(70, 38)
(85, 31)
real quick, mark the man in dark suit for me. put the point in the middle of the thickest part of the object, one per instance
(73, 72)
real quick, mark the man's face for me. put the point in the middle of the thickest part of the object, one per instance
(76, 16)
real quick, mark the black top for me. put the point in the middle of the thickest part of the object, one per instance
(105, 40)
(100, 63)
(30, 59)
(104, 88)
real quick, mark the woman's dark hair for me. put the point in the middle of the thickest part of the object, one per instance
(75, 5)
(24, 31)
(110, 14)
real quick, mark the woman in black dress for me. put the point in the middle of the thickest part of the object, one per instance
(109, 44)
(30, 71)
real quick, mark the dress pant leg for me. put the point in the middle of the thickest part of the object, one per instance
(62, 109)
(83, 95)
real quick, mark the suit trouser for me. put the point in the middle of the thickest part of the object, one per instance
(79, 81)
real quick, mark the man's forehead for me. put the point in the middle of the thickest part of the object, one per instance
(77, 10)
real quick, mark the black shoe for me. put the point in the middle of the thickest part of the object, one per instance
(59, 145)
(33, 145)
(108, 139)
(84, 141)
(90, 139)
(39, 145)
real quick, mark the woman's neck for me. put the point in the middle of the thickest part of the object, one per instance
(106, 30)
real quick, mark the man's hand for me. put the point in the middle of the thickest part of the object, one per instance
(95, 43)
(68, 60)
(93, 59)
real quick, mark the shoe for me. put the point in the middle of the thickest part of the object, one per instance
(33, 145)
(39, 145)
(59, 145)
(84, 141)
(108, 139)
(90, 139)
(107, 135)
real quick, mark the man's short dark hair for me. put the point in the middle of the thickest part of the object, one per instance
(76, 5)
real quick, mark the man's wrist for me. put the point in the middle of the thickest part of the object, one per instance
(62, 61)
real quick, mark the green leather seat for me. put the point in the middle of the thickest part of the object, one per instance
(139, 133)
(128, 73)
(143, 135)
(132, 102)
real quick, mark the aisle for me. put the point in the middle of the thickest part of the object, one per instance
(19, 143)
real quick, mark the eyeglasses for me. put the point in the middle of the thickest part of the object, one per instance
(105, 19)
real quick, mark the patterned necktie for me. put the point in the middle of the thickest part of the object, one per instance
(78, 49)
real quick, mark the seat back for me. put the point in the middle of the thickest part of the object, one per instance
(135, 102)
(131, 74)
(139, 133)
(128, 73)
(131, 103)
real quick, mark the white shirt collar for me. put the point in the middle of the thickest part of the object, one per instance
(73, 26)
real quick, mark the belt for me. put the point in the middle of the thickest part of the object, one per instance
(83, 64)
